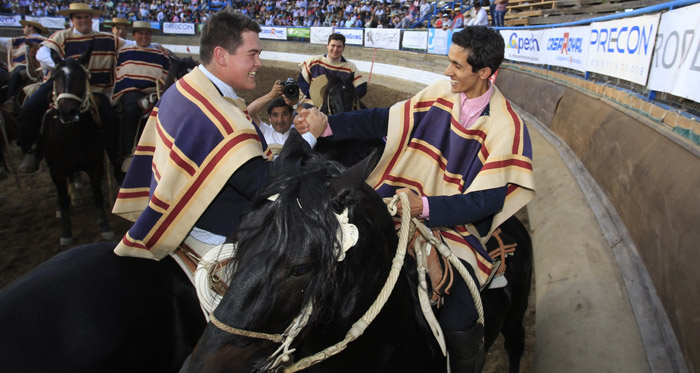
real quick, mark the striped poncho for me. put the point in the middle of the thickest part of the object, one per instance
(138, 69)
(320, 65)
(430, 152)
(102, 60)
(16, 54)
(194, 140)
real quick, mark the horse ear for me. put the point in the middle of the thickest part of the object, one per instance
(353, 177)
(55, 57)
(294, 149)
(84, 58)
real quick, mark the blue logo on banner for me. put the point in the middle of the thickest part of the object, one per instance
(524, 44)
(625, 40)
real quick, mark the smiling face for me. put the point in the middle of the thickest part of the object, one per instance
(462, 76)
(238, 69)
(335, 50)
(281, 119)
(82, 22)
(143, 38)
(120, 31)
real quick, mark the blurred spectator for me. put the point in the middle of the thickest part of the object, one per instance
(480, 18)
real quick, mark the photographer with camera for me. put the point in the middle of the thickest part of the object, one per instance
(283, 96)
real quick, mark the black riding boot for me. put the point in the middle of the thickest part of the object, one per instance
(466, 350)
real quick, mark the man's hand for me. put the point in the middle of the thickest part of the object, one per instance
(414, 200)
(311, 120)
(277, 90)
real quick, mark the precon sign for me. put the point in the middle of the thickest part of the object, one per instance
(178, 28)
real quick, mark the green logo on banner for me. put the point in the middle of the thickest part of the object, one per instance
(298, 32)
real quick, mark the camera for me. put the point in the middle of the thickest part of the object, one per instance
(291, 89)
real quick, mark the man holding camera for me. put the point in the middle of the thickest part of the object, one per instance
(332, 63)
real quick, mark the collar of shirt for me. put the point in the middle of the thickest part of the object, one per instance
(225, 89)
(472, 108)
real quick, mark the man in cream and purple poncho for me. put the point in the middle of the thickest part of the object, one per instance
(200, 160)
(464, 157)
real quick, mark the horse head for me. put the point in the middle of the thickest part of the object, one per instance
(339, 94)
(288, 265)
(179, 67)
(71, 83)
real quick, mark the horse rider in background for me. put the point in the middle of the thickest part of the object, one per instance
(138, 70)
(200, 160)
(73, 42)
(17, 58)
(332, 63)
(120, 27)
(464, 158)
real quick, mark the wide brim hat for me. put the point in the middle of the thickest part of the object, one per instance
(316, 89)
(38, 26)
(141, 25)
(116, 21)
(79, 8)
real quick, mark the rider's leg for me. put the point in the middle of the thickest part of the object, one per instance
(110, 133)
(16, 81)
(463, 334)
(128, 127)
(30, 118)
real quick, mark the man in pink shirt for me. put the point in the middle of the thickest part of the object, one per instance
(463, 156)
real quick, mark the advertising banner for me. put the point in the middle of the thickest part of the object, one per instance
(155, 25)
(623, 48)
(675, 65)
(273, 32)
(438, 41)
(319, 35)
(524, 45)
(178, 28)
(382, 38)
(7, 20)
(298, 32)
(352, 36)
(567, 47)
(58, 23)
(415, 40)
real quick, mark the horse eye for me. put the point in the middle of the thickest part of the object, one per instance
(301, 270)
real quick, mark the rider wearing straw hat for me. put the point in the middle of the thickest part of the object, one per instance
(120, 27)
(73, 42)
(138, 69)
(16, 54)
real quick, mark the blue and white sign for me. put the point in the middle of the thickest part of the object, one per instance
(675, 65)
(438, 41)
(319, 35)
(415, 40)
(382, 38)
(178, 28)
(623, 48)
(7, 20)
(524, 45)
(566, 47)
(352, 36)
(273, 32)
(55, 22)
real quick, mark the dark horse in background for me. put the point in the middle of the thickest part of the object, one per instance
(71, 140)
(287, 258)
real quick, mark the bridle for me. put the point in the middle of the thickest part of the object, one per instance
(84, 100)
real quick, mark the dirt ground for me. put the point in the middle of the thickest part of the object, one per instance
(29, 230)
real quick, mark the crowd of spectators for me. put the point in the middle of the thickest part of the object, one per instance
(302, 13)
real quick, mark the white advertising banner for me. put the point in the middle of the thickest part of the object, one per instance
(438, 41)
(382, 38)
(567, 47)
(271, 32)
(415, 40)
(675, 65)
(623, 48)
(178, 28)
(524, 45)
(352, 36)
(55, 22)
(7, 20)
(319, 35)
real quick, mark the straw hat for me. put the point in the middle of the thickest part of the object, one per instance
(316, 89)
(141, 25)
(116, 21)
(79, 8)
(37, 26)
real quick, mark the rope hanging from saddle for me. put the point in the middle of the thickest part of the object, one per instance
(500, 253)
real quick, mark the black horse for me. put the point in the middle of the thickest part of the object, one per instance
(72, 141)
(287, 258)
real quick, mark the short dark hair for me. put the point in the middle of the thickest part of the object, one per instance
(278, 102)
(336, 36)
(485, 45)
(224, 29)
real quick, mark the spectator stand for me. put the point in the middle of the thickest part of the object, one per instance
(438, 9)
